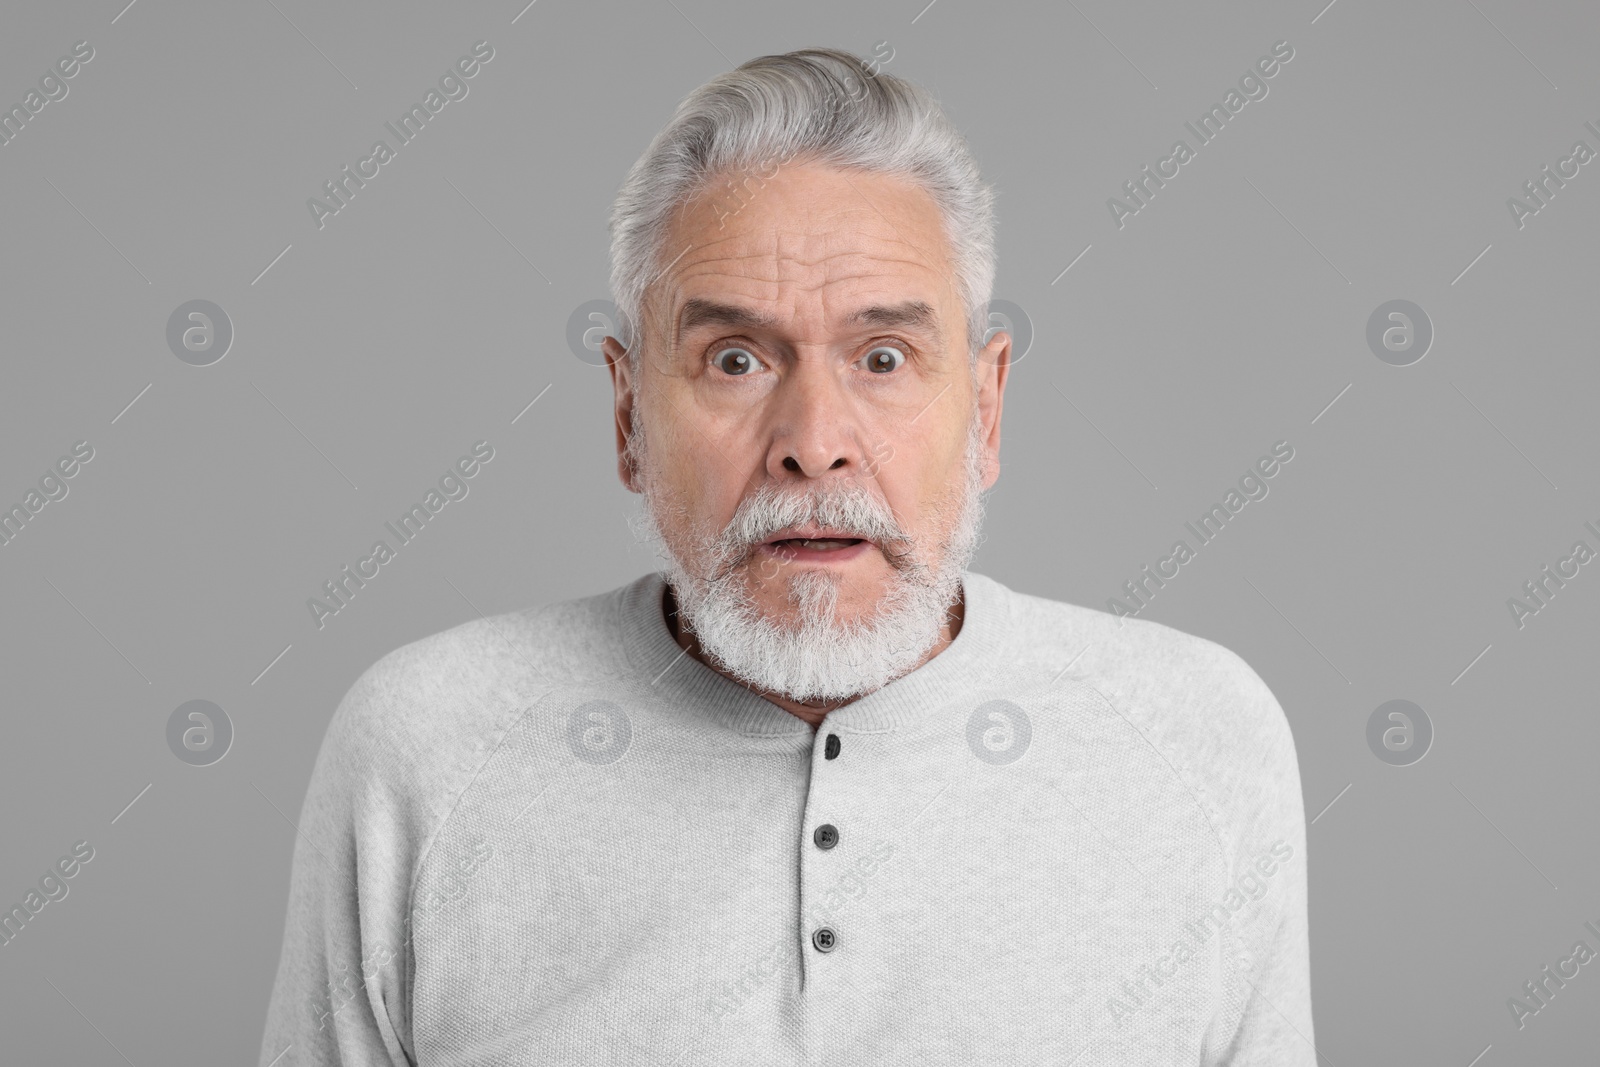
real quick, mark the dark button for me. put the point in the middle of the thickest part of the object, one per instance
(826, 836)
(824, 940)
(831, 749)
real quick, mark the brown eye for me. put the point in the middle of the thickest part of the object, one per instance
(884, 358)
(736, 362)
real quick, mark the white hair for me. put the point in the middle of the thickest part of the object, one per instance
(818, 656)
(817, 104)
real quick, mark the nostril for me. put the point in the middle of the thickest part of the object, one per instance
(790, 464)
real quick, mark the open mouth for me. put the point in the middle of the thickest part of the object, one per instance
(816, 544)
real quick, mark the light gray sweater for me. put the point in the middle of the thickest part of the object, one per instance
(551, 837)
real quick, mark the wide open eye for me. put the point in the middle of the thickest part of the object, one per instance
(884, 358)
(736, 362)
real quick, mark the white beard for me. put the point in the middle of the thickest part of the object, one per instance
(817, 657)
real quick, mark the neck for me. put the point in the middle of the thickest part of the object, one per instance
(812, 712)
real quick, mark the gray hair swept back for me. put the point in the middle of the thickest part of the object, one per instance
(821, 104)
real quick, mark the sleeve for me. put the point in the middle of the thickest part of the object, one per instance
(340, 996)
(1275, 1025)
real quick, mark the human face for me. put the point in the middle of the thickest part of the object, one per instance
(811, 342)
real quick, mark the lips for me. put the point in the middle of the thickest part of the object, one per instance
(814, 538)
(818, 544)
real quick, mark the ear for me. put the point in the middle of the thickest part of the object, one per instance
(623, 390)
(994, 366)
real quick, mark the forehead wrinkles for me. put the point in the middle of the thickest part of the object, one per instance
(789, 254)
(781, 267)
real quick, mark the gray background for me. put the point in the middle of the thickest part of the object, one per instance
(1230, 313)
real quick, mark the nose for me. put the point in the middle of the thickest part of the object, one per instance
(791, 463)
(814, 426)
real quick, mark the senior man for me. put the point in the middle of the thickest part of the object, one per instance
(815, 792)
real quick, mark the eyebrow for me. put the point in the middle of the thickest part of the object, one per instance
(696, 313)
(915, 314)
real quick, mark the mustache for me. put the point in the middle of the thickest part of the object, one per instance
(849, 507)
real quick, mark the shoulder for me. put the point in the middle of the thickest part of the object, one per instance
(1182, 683)
(437, 706)
(1195, 700)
